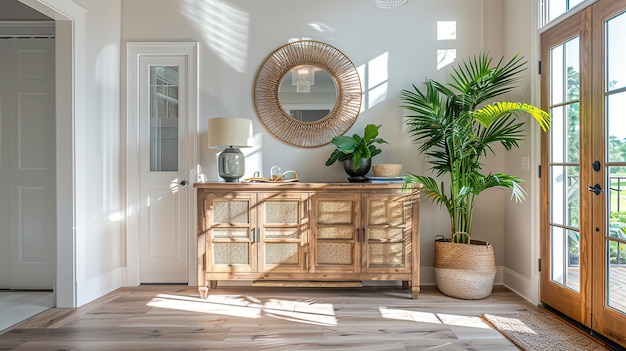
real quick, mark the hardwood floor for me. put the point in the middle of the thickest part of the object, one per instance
(163, 317)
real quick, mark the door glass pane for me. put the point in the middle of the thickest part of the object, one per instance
(565, 196)
(565, 170)
(557, 131)
(557, 83)
(573, 133)
(163, 118)
(565, 254)
(616, 51)
(616, 154)
(616, 239)
(616, 128)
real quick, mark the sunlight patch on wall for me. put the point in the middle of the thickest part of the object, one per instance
(445, 57)
(377, 79)
(224, 27)
(361, 71)
(321, 27)
(446, 30)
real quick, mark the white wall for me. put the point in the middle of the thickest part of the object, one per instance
(98, 251)
(521, 239)
(235, 37)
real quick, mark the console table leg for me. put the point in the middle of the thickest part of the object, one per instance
(405, 284)
(213, 284)
(203, 291)
(414, 292)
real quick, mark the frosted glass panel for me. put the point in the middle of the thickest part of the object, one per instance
(163, 118)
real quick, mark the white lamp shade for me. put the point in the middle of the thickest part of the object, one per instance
(225, 132)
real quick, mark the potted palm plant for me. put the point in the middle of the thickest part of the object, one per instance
(356, 152)
(456, 126)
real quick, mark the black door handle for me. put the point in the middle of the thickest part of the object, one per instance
(596, 189)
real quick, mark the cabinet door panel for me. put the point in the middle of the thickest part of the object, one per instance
(283, 222)
(231, 243)
(387, 233)
(334, 232)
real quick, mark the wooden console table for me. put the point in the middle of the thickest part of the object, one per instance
(307, 234)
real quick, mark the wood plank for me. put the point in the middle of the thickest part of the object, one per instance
(163, 317)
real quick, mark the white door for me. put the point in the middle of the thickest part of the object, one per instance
(27, 189)
(163, 170)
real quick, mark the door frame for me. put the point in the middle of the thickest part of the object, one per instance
(189, 50)
(589, 306)
(70, 184)
(554, 294)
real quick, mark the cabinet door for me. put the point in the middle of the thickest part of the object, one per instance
(283, 232)
(334, 232)
(231, 235)
(386, 244)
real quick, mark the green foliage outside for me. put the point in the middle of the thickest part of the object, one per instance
(617, 153)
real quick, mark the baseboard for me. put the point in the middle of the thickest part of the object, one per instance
(525, 287)
(99, 286)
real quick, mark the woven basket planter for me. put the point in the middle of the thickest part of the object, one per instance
(464, 271)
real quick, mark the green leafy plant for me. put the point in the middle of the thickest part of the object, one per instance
(356, 147)
(456, 134)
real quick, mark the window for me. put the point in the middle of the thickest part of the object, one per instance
(552, 9)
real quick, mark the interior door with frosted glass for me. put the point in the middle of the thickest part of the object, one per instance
(163, 170)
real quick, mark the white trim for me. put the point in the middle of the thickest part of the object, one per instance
(135, 50)
(27, 29)
(532, 292)
(528, 288)
(69, 48)
(58, 9)
(92, 288)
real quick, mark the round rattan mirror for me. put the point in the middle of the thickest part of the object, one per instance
(324, 57)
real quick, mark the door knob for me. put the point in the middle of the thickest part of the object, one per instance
(596, 189)
(183, 182)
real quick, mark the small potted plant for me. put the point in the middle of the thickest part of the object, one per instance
(456, 127)
(356, 152)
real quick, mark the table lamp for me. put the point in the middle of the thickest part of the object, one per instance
(230, 134)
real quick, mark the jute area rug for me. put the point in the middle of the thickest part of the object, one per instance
(540, 331)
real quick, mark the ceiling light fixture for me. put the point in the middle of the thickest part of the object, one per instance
(389, 4)
(303, 77)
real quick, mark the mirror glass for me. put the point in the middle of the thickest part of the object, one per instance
(307, 93)
(329, 100)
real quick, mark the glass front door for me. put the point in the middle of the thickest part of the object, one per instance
(584, 181)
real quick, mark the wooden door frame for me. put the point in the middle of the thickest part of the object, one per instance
(592, 312)
(608, 316)
(578, 23)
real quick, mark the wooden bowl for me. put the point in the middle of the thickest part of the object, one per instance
(387, 170)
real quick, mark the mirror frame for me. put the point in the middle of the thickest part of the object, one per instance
(278, 122)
